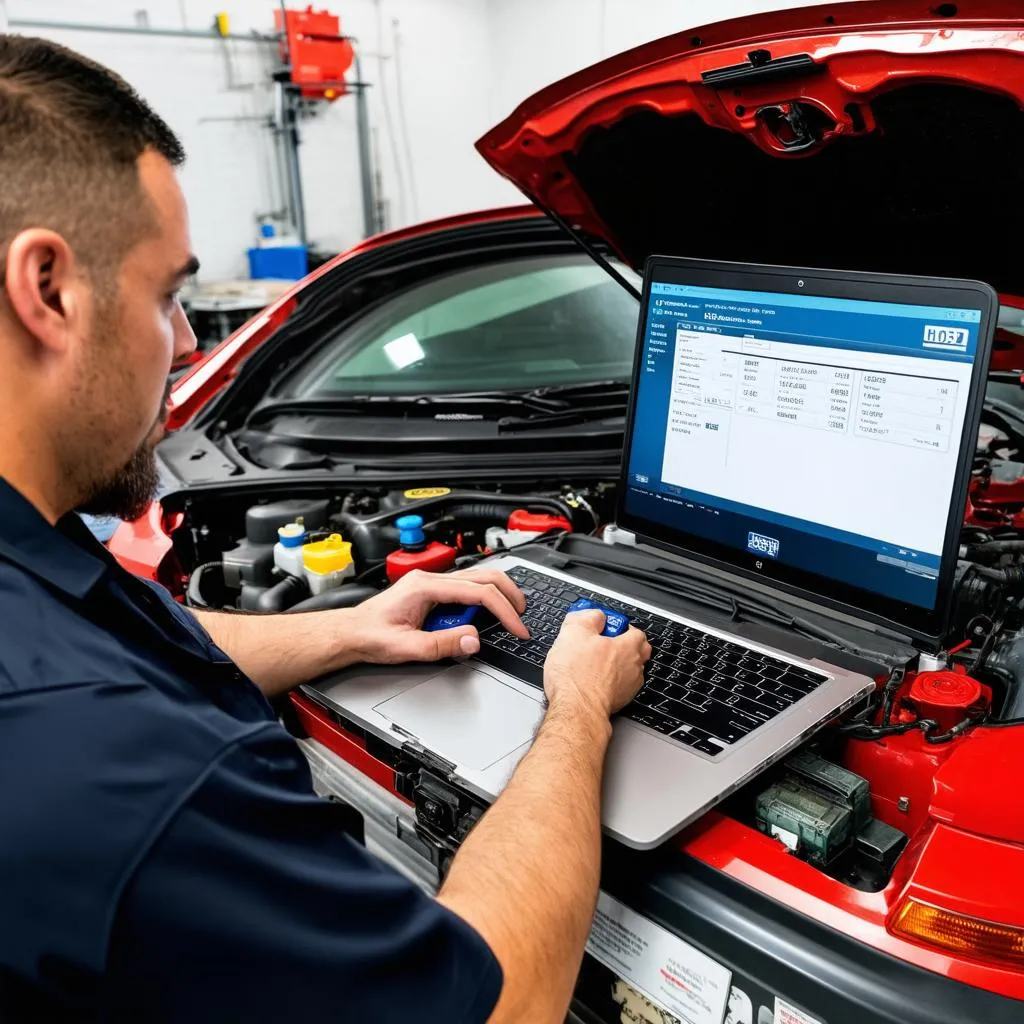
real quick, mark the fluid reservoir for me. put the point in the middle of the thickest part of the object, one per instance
(948, 697)
(524, 527)
(416, 553)
(288, 549)
(327, 563)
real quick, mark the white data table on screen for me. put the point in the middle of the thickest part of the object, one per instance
(861, 442)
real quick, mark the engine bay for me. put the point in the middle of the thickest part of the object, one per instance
(849, 803)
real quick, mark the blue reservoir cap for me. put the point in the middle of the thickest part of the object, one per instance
(292, 535)
(410, 530)
(267, 231)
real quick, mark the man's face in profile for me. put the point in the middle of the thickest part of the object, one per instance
(139, 332)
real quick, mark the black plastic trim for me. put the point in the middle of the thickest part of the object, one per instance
(749, 73)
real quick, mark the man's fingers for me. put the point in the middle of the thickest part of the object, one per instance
(445, 643)
(499, 580)
(590, 620)
(456, 643)
(455, 590)
(637, 637)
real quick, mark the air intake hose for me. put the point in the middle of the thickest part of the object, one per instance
(371, 545)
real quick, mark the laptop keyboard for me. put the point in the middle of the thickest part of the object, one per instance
(699, 689)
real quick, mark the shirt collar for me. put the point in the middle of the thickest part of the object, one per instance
(66, 556)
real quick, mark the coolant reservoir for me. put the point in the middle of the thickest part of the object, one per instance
(288, 549)
(327, 563)
(948, 697)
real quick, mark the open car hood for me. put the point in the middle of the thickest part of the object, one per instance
(868, 135)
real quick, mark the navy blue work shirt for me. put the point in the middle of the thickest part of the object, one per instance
(162, 854)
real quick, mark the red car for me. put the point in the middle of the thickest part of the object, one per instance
(476, 368)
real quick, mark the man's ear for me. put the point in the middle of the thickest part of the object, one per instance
(45, 287)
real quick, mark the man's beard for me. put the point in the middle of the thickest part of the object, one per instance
(128, 492)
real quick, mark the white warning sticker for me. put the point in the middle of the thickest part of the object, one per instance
(791, 839)
(787, 1014)
(670, 972)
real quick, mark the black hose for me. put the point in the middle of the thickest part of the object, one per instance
(194, 595)
(1010, 575)
(345, 596)
(495, 505)
(861, 731)
(283, 595)
(371, 544)
(994, 548)
(961, 727)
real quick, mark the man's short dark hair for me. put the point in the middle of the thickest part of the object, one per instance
(71, 133)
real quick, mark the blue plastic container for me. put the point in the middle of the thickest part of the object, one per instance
(285, 262)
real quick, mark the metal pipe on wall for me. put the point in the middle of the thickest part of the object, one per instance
(140, 30)
(291, 129)
(370, 226)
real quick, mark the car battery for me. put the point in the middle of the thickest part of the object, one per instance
(807, 822)
(835, 783)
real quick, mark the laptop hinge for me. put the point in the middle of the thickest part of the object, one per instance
(428, 759)
(618, 536)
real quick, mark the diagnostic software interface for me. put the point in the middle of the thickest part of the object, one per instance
(823, 433)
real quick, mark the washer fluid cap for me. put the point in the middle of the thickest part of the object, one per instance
(410, 531)
(292, 535)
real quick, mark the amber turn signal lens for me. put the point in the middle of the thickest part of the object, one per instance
(985, 940)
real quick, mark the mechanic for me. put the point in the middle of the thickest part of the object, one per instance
(162, 853)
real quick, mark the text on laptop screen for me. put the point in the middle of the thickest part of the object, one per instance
(821, 433)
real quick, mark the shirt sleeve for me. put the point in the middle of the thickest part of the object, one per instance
(255, 905)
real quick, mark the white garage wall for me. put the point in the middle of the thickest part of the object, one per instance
(464, 65)
(230, 175)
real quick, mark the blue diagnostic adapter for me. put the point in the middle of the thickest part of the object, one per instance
(450, 616)
(615, 623)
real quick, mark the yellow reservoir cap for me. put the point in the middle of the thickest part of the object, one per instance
(415, 493)
(330, 555)
(969, 936)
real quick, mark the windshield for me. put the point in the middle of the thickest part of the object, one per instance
(514, 325)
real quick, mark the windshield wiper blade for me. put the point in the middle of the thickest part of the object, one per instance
(563, 418)
(483, 402)
(589, 389)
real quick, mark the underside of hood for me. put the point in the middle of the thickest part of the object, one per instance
(878, 136)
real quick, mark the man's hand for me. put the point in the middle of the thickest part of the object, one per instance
(387, 629)
(596, 672)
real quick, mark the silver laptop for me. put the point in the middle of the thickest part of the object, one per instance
(794, 432)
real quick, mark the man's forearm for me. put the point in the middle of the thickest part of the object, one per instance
(277, 652)
(526, 878)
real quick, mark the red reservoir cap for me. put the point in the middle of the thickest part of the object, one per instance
(945, 696)
(537, 522)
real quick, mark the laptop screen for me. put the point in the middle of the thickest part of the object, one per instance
(804, 431)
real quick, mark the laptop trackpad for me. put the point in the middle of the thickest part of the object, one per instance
(465, 715)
